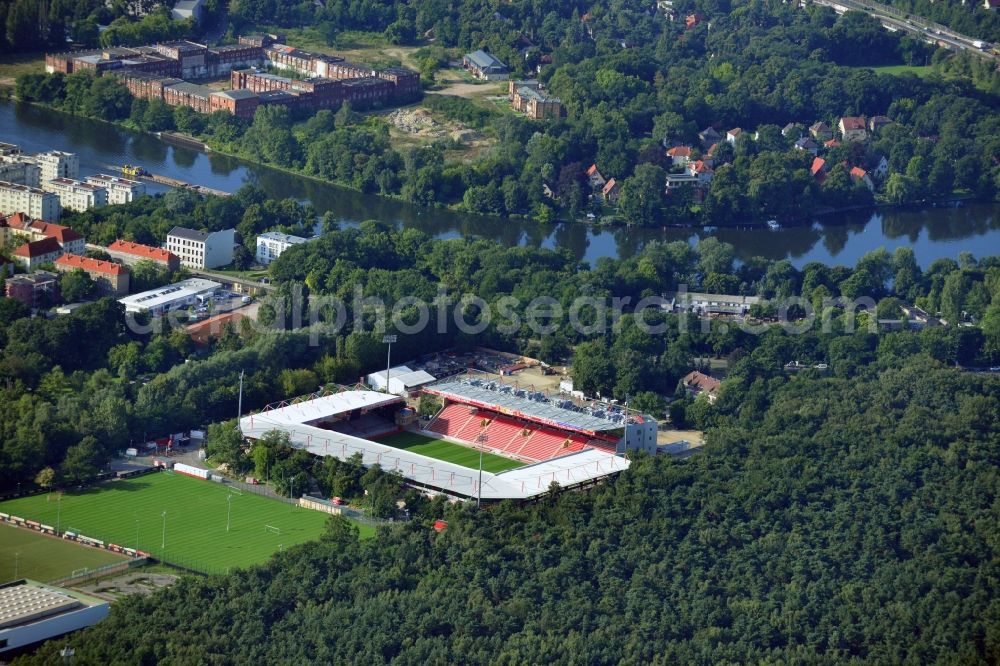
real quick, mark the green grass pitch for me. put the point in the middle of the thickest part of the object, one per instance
(130, 512)
(449, 452)
(28, 554)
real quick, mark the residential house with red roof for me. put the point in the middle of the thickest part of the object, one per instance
(20, 225)
(595, 178)
(679, 155)
(852, 128)
(818, 169)
(111, 279)
(129, 253)
(859, 175)
(697, 383)
(611, 191)
(33, 254)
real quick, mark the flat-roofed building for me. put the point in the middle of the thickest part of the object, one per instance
(36, 290)
(76, 194)
(271, 244)
(20, 172)
(367, 92)
(178, 296)
(529, 98)
(55, 164)
(130, 254)
(192, 57)
(31, 201)
(189, 94)
(144, 85)
(202, 249)
(111, 279)
(240, 103)
(701, 303)
(119, 190)
(31, 612)
(406, 82)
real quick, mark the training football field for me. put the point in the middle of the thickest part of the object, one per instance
(25, 553)
(178, 519)
(449, 452)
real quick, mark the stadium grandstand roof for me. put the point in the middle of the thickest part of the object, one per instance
(504, 399)
(521, 483)
(307, 411)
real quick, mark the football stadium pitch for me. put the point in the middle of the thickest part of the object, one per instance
(449, 452)
(28, 554)
(179, 520)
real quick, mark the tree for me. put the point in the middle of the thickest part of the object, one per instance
(642, 195)
(592, 369)
(77, 285)
(82, 461)
(45, 478)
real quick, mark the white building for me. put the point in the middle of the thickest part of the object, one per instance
(402, 380)
(31, 612)
(179, 296)
(201, 249)
(120, 190)
(271, 244)
(31, 201)
(55, 164)
(20, 173)
(76, 194)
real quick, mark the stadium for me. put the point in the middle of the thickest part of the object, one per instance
(530, 440)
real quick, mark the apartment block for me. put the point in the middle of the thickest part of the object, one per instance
(55, 164)
(76, 194)
(129, 254)
(119, 190)
(271, 244)
(36, 290)
(111, 279)
(31, 201)
(201, 249)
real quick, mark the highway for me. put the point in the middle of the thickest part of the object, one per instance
(895, 19)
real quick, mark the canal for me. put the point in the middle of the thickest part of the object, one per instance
(933, 233)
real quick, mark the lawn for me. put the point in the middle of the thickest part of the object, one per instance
(28, 554)
(453, 453)
(897, 70)
(194, 531)
(13, 65)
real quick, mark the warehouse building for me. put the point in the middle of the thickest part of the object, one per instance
(31, 612)
(179, 296)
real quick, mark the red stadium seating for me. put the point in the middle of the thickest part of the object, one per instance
(507, 435)
(451, 420)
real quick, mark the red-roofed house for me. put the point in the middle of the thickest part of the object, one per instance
(704, 172)
(852, 128)
(20, 225)
(860, 175)
(595, 177)
(733, 134)
(611, 191)
(111, 278)
(818, 169)
(695, 383)
(680, 155)
(691, 20)
(832, 143)
(131, 253)
(33, 254)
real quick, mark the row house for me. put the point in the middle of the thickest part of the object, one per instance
(111, 279)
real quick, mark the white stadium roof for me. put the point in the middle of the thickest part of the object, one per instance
(521, 483)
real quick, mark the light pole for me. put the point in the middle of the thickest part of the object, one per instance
(163, 542)
(137, 532)
(229, 510)
(388, 340)
(482, 439)
(17, 562)
(58, 512)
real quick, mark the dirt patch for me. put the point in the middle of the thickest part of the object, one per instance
(411, 125)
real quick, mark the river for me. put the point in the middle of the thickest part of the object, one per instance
(933, 233)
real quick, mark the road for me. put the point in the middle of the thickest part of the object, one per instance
(895, 19)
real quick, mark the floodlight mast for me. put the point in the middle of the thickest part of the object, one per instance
(388, 340)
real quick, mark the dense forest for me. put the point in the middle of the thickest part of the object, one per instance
(828, 520)
(760, 67)
(73, 406)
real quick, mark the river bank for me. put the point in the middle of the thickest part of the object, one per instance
(933, 233)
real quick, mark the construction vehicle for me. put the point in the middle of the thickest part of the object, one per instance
(130, 171)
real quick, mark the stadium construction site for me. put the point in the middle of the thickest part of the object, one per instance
(543, 441)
